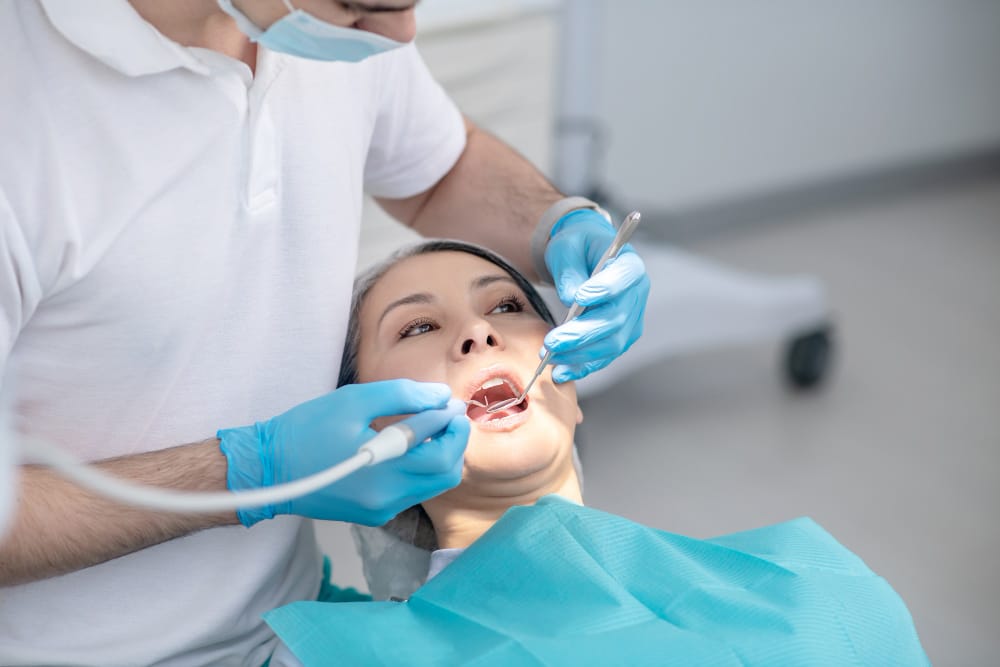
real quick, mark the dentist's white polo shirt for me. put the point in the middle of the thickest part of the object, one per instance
(177, 246)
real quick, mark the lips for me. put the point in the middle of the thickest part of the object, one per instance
(489, 386)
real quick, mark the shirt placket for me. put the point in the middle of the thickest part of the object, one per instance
(263, 175)
(260, 175)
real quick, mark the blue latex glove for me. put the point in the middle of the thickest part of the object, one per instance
(615, 298)
(325, 431)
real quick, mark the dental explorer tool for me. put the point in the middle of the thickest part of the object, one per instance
(624, 233)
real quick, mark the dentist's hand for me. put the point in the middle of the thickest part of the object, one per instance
(615, 298)
(325, 431)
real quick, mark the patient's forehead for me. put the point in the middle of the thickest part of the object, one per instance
(434, 271)
(432, 266)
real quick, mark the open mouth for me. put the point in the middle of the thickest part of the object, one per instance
(493, 391)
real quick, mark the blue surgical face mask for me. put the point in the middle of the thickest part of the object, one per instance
(301, 34)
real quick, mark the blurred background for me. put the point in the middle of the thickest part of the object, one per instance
(820, 189)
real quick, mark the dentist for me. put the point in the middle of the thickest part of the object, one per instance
(179, 215)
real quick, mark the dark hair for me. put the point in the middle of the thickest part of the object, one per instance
(364, 283)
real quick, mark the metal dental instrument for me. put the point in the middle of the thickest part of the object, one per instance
(624, 233)
(480, 404)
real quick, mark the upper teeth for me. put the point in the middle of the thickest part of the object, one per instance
(495, 382)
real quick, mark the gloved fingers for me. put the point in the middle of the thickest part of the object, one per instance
(595, 324)
(605, 348)
(427, 470)
(619, 275)
(592, 341)
(564, 373)
(566, 258)
(577, 242)
(424, 487)
(395, 397)
(625, 312)
(439, 455)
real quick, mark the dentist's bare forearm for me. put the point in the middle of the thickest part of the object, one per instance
(493, 196)
(60, 527)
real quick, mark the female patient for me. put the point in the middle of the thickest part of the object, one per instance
(545, 580)
(450, 312)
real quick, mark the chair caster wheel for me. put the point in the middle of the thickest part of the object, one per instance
(807, 358)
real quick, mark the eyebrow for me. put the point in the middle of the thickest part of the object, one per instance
(424, 297)
(486, 281)
(421, 297)
(376, 8)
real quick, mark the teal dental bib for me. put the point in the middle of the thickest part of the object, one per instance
(561, 584)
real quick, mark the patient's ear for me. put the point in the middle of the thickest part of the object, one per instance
(579, 415)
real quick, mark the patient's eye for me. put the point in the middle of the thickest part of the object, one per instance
(511, 303)
(417, 327)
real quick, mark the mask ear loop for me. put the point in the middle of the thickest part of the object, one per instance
(288, 3)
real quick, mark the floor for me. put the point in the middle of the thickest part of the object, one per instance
(898, 455)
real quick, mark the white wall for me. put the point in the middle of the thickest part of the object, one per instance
(708, 100)
(478, 55)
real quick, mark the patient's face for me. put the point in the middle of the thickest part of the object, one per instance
(455, 318)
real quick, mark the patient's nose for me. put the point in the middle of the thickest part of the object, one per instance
(479, 337)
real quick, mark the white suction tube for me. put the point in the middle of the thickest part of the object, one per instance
(392, 441)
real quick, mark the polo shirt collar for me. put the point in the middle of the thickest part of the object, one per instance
(114, 33)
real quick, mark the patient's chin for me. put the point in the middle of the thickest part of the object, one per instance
(517, 462)
(490, 472)
(507, 462)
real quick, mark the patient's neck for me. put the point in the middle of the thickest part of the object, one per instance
(462, 515)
